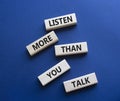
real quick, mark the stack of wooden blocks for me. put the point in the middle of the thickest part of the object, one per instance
(61, 50)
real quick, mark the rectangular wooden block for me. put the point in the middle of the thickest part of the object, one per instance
(70, 49)
(80, 82)
(60, 22)
(54, 72)
(42, 43)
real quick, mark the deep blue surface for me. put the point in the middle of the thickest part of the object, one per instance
(22, 22)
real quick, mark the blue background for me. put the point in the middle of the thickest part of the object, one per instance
(22, 22)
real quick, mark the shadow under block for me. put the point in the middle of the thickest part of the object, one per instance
(42, 43)
(60, 22)
(80, 82)
(71, 49)
(54, 72)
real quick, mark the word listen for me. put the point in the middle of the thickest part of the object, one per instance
(70, 49)
(80, 82)
(42, 43)
(60, 22)
(54, 72)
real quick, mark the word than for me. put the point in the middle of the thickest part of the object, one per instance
(71, 48)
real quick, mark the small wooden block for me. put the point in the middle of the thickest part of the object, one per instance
(54, 72)
(60, 22)
(70, 49)
(42, 43)
(80, 82)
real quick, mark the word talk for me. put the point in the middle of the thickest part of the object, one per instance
(80, 82)
(54, 72)
(60, 22)
(70, 49)
(42, 43)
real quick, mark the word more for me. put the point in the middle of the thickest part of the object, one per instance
(42, 43)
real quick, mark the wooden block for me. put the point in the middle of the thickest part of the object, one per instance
(80, 82)
(54, 72)
(42, 43)
(60, 22)
(71, 49)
